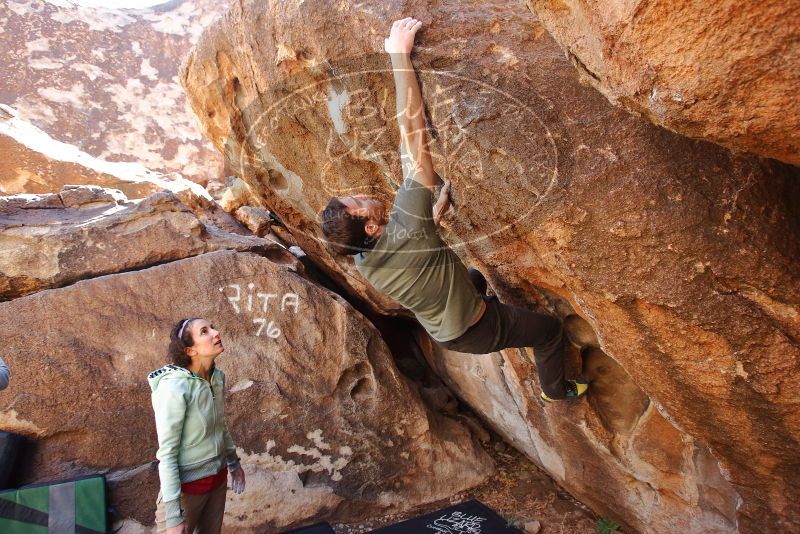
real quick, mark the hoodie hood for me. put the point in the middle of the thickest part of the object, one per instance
(169, 372)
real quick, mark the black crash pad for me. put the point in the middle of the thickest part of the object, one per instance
(10, 447)
(470, 517)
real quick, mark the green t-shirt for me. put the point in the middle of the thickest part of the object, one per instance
(412, 264)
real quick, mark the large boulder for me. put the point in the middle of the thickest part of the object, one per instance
(726, 72)
(616, 450)
(105, 79)
(325, 424)
(679, 257)
(52, 240)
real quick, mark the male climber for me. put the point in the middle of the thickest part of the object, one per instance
(403, 256)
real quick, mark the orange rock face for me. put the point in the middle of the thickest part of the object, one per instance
(725, 72)
(53, 240)
(105, 80)
(673, 261)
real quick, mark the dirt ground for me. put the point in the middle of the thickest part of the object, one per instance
(519, 491)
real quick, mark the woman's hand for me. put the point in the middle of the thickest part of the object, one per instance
(401, 36)
(237, 480)
(442, 204)
(183, 528)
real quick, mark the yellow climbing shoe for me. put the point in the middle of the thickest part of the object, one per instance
(575, 390)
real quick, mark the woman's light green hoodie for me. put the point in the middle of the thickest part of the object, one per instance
(193, 441)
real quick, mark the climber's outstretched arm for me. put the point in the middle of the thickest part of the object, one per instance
(414, 153)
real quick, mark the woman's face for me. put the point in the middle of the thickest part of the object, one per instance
(207, 341)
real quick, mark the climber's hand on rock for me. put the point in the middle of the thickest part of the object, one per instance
(401, 36)
(442, 204)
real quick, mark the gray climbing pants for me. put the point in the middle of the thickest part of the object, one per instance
(503, 326)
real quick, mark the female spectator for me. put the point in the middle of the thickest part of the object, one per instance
(195, 450)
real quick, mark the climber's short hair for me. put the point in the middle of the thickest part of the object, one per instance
(345, 233)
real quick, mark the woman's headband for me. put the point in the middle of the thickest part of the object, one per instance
(180, 331)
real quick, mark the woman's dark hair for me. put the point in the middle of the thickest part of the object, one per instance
(345, 233)
(176, 344)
